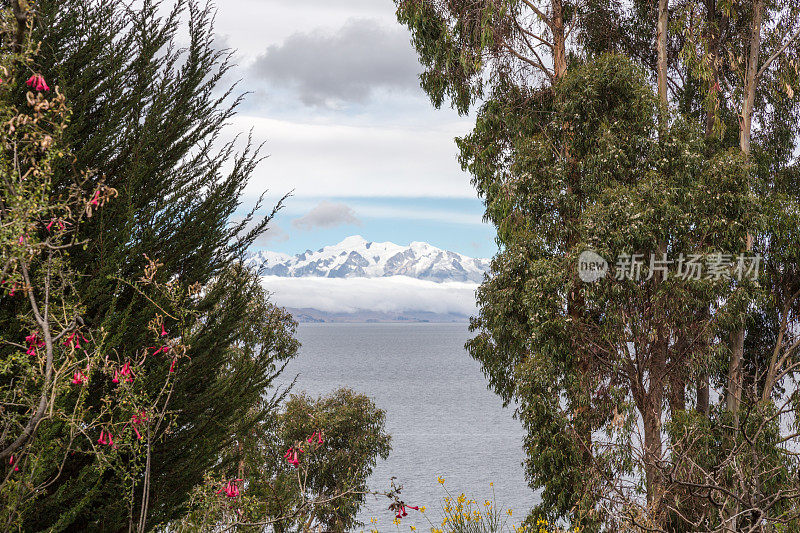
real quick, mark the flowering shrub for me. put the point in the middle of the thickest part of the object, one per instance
(303, 469)
(462, 514)
(65, 377)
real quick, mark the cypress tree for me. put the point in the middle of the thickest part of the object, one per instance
(148, 115)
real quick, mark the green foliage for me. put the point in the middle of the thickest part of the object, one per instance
(146, 117)
(354, 438)
(589, 161)
(325, 489)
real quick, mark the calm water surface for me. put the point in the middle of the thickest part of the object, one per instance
(443, 420)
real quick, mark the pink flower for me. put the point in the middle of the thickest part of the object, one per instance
(58, 222)
(102, 439)
(292, 456)
(33, 343)
(116, 376)
(78, 378)
(126, 372)
(21, 240)
(136, 420)
(163, 331)
(11, 462)
(37, 81)
(172, 366)
(231, 489)
(318, 435)
(96, 200)
(401, 509)
(160, 349)
(75, 340)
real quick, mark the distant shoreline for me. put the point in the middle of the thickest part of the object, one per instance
(315, 316)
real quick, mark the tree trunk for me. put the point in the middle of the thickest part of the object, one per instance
(734, 389)
(651, 417)
(559, 39)
(661, 46)
(714, 24)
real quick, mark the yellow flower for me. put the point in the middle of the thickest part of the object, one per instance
(441, 479)
(491, 484)
(413, 528)
(509, 512)
(396, 521)
(422, 509)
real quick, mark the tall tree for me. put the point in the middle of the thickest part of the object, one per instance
(596, 159)
(147, 117)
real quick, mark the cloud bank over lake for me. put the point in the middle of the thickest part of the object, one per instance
(395, 294)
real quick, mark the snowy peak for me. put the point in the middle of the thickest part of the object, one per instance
(357, 257)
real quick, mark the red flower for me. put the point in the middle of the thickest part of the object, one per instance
(231, 489)
(75, 340)
(135, 421)
(78, 378)
(126, 372)
(172, 366)
(292, 456)
(401, 509)
(160, 349)
(60, 223)
(116, 376)
(33, 343)
(163, 331)
(102, 439)
(37, 81)
(318, 435)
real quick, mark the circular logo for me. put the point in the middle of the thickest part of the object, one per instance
(591, 266)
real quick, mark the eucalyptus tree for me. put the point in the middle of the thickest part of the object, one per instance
(635, 152)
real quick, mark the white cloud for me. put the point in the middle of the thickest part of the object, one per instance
(327, 215)
(387, 295)
(333, 160)
(273, 234)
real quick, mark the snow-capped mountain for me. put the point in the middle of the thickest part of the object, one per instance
(355, 257)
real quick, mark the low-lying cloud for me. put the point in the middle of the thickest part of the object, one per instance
(327, 215)
(344, 66)
(394, 294)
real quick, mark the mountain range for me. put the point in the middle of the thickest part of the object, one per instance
(355, 257)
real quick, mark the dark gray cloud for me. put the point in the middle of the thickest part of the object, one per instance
(345, 66)
(327, 215)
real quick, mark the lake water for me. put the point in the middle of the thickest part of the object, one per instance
(442, 419)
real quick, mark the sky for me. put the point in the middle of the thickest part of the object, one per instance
(335, 99)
